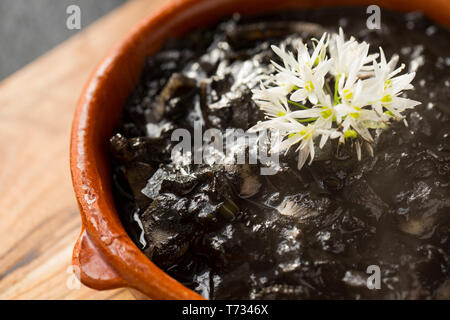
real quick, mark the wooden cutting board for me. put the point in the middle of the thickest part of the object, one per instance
(39, 219)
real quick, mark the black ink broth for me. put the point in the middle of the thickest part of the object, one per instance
(228, 232)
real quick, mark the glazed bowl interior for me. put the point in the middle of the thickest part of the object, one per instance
(99, 111)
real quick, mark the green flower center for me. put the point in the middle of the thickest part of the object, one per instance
(350, 134)
(387, 83)
(348, 94)
(326, 112)
(309, 86)
(306, 133)
(386, 99)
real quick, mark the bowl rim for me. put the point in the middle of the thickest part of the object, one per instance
(104, 254)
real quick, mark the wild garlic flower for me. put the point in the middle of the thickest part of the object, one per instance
(337, 90)
(350, 57)
(272, 100)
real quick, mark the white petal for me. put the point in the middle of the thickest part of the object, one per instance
(289, 142)
(302, 156)
(310, 113)
(313, 98)
(358, 150)
(299, 95)
(323, 140)
(311, 151)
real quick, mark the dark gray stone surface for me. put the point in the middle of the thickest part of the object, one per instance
(29, 28)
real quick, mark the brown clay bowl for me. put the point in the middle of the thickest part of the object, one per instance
(104, 254)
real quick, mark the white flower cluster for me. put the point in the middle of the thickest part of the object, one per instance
(340, 91)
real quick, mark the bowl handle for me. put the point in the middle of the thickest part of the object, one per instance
(91, 267)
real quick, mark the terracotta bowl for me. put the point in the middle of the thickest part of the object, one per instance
(104, 254)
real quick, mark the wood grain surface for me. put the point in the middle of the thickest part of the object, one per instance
(39, 219)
